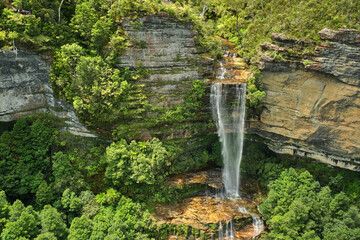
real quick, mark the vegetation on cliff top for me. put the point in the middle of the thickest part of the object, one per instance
(246, 23)
(86, 38)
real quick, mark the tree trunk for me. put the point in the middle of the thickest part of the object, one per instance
(204, 11)
(60, 8)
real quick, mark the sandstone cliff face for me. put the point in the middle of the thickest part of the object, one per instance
(166, 48)
(316, 112)
(25, 90)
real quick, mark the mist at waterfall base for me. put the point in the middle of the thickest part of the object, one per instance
(230, 122)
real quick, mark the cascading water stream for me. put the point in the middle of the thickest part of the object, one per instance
(222, 71)
(230, 126)
(228, 109)
(227, 232)
(258, 224)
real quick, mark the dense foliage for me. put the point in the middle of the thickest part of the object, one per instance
(24, 157)
(305, 199)
(57, 186)
(99, 93)
(143, 162)
(250, 23)
(298, 208)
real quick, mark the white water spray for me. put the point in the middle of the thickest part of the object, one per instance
(230, 126)
(227, 232)
(258, 224)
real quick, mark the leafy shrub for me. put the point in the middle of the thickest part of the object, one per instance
(137, 162)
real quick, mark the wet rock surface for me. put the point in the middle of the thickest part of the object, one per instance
(206, 210)
(212, 178)
(231, 69)
(201, 211)
(25, 90)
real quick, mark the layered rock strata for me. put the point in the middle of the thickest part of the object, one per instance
(25, 90)
(166, 48)
(312, 107)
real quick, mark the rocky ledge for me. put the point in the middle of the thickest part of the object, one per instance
(339, 56)
(25, 90)
(207, 211)
(312, 107)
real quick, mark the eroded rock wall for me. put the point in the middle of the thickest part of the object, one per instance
(25, 90)
(166, 48)
(314, 110)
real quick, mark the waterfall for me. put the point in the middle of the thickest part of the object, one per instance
(221, 232)
(227, 233)
(230, 126)
(222, 71)
(230, 230)
(258, 224)
(228, 110)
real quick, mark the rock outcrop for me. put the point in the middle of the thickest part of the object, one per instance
(340, 58)
(25, 90)
(231, 69)
(205, 211)
(166, 48)
(312, 107)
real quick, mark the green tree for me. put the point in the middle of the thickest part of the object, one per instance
(71, 203)
(142, 162)
(23, 223)
(297, 208)
(24, 159)
(63, 69)
(8, 180)
(101, 33)
(348, 228)
(46, 236)
(44, 194)
(80, 229)
(128, 221)
(4, 210)
(101, 223)
(84, 19)
(65, 174)
(236, 6)
(52, 222)
(90, 206)
(99, 93)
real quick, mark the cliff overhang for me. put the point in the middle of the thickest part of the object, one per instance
(312, 107)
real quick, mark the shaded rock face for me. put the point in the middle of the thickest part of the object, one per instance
(342, 57)
(166, 48)
(25, 90)
(315, 113)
